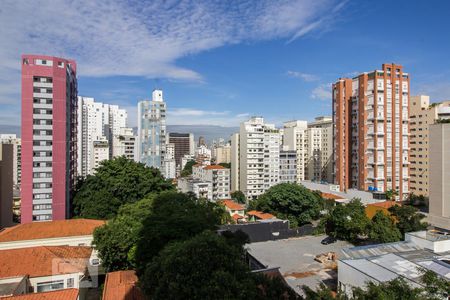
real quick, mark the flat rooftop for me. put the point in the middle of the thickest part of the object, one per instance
(295, 258)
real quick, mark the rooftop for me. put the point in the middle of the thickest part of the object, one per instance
(260, 215)
(44, 261)
(230, 204)
(66, 294)
(121, 285)
(49, 229)
(214, 167)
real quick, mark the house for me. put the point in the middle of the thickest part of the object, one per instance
(73, 232)
(122, 285)
(48, 268)
(201, 189)
(236, 210)
(255, 215)
(67, 294)
(372, 208)
(219, 177)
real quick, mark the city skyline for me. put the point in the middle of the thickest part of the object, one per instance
(223, 75)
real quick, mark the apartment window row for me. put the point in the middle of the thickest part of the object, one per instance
(46, 287)
(42, 132)
(42, 79)
(42, 101)
(42, 206)
(42, 196)
(42, 153)
(43, 164)
(42, 122)
(42, 111)
(42, 143)
(42, 174)
(42, 185)
(42, 90)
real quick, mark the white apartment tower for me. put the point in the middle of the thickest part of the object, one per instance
(152, 130)
(320, 150)
(295, 138)
(17, 153)
(259, 157)
(96, 121)
(99, 152)
(124, 143)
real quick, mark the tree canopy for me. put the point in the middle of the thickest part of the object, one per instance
(116, 240)
(290, 201)
(408, 218)
(187, 170)
(347, 222)
(175, 217)
(383, 230)
(116, 182)
(207, 266)
(238, 196)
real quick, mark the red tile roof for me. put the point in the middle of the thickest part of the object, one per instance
(44, 261)
(260, 215)
(214, 167)
(66, 294)
(385, 204)
(49, 229)
(121, 285)
(230, 204)
(330, 196)
(237, 217)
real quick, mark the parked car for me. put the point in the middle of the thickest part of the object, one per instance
(328, 240)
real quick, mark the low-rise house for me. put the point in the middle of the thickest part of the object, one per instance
(74, 232)
(67, 294)
(47, 268)
(236, 210)
(255, 215)
(372, 208)
(122, 285)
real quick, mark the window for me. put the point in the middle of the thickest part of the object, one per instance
(50, 286)
(70, 282)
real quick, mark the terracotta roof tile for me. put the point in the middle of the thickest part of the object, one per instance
(44, 261)
(121, 285)
(49, 229)
(385, 204)
(214, 167)
(237, 217)
(230, 204)
(66, 294)
(330, 196)
(260, 215)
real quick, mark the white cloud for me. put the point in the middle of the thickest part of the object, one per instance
(322, 92)
(140, 38)
(303, 76)
(438, 91)
(187, 116)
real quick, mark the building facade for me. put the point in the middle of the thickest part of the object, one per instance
(152, 130)
(6, 184)
(17, 156)
(319, 161)
(259, 157)
(169, 165)
(439, 166)
(124, 143)
(371, 131)
(96, 121)
(219, 177)
(100, 152)
(422, 115)
(49, 137)
(222, 154)
(288, 166)
(235, 162)
(184, 144)
(295, 138)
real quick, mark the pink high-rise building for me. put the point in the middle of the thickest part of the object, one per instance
(49, 100)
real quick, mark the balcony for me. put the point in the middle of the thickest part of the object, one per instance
(42, 105)
(43, 137)
(43, 95)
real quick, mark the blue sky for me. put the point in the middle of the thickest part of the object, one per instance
(220, 62)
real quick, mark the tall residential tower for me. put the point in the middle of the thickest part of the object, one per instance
(49, 118)
(371, 131)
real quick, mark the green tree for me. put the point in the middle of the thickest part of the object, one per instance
(175, 216)
(391, 194)
(383, 230)
(290, 201)
(116, 182)
(238, 196)
(408, 218)
(207, 267)
(347, 221)
(116, 240)
(225, 165)
(397, 289)
(187, 170)
(435, 287)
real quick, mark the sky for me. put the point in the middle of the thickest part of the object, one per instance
(221, 62)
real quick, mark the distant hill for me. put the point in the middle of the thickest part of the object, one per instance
(209, 132)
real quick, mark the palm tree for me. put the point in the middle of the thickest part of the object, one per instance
(390, 194)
